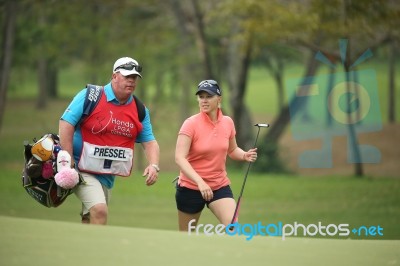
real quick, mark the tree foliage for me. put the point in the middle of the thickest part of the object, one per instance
(182, 42)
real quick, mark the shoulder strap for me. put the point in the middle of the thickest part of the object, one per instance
(141, 110)
(92, 98)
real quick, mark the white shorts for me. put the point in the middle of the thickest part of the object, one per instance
(91, 193)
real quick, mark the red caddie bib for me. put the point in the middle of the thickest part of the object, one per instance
(108, 136)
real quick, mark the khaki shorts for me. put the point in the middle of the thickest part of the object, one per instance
(91, 193)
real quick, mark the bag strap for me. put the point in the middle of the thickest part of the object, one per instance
(92, 98)
(141, 109)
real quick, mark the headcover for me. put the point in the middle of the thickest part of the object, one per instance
(39, 171)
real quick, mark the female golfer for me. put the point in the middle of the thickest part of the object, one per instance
(204, 141)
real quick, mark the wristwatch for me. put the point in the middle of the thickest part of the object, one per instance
(156, 167)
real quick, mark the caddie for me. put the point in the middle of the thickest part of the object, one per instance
(102, 140)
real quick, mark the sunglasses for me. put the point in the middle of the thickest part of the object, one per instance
(129, 66)
(208, 83)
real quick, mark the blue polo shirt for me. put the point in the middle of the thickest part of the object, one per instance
(73, 115)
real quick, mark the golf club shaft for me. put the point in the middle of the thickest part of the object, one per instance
(244, 181)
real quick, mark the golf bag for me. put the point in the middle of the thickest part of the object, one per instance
(38, 174)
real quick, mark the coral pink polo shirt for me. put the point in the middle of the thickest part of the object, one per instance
(209, 149)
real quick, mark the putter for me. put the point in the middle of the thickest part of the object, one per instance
(236, 213)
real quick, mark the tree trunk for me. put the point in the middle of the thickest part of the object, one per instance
(8, 33)
(238, 67)
(352, 137)
(42, 62)
(186, 68)
(331, 83)
(41, 101)
(52, 78)
(201, 41)
(392, 83)
(279, 83)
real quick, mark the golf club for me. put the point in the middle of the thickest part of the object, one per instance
(236, 213)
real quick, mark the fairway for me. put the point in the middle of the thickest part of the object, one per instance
(39, 242)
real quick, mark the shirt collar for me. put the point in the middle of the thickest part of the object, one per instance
(207, 118)
(111, 96)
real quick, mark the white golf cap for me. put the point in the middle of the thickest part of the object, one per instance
(127, 66)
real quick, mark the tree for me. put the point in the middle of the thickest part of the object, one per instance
(10, 13)
(239, 59)
(261, 24)
(348, 21)
(315, 26)
(183, 21)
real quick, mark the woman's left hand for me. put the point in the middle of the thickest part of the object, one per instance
(250, 155)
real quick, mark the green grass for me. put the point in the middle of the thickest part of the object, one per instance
(35, 242)
(267, 198)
